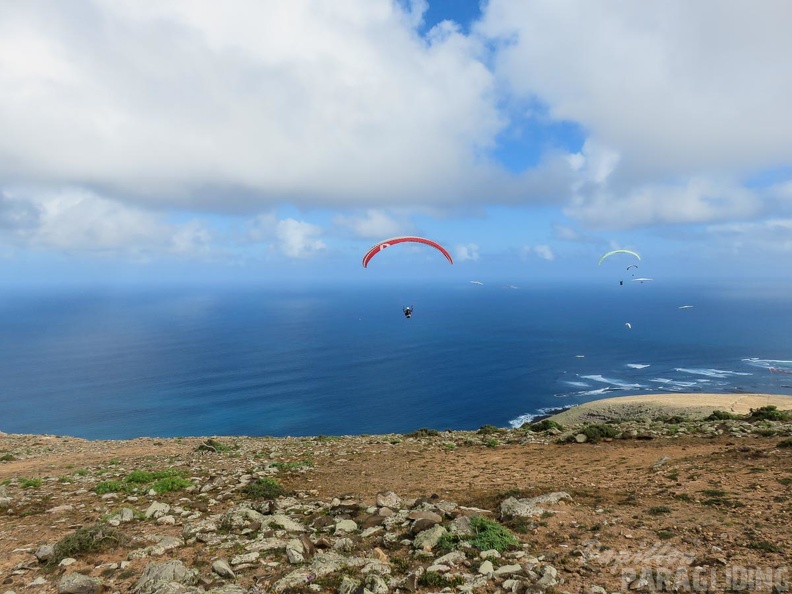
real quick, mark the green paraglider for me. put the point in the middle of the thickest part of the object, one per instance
(617, 252)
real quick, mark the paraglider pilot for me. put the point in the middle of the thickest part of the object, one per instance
(407, 311)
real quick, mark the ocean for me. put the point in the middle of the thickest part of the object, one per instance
(336, 360)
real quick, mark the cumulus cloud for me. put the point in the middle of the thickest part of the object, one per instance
(678, 86)
(375, 224)
(773, 236)
(246, 103)
(542, 251)
(466, 252)
(298, 239)
(680, 101)
(78, 220)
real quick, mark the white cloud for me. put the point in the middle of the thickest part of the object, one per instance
(773, 236)
(466, 252)
(680, 101)
(298, 239)
(676, 85)
(375, 224)
(75, 220)
(542, 251)
(244, 103)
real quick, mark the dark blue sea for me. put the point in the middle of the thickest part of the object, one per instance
(333, 360)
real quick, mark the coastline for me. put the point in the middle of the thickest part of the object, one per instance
(693, 406)
(323, 508)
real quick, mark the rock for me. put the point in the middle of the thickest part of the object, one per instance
(44, 553)
(508, 569)
(76, 583)
(223, 569)
(389, 499)
(528, 508)
(422, 524)
(157, 510)
(460, 526)
(424, 515)
(429, 538)
(157, 575)
(581, 438)
(486, 568)
(191, 530)
(344, 526)
(549, 577)
(376, 584)
(244, 559)
(490, 554)
(294, 552)
(452, 558)
(228, 589)
(348, 585)
(287, 523)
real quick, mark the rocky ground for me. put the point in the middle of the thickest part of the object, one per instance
(575, 509)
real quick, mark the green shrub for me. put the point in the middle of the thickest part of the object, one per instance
(169, 484)
(488, 534)
(785, 443)
(32, 483)
(595, 433)
(658, 510)
(768, 413)
(545, 425)
(447, 543)
(488, 430)
(289, 466)
(7, 457)
(90, 539)
(721, 415)
(264, 488)
(109, 487)
(423, 432)
(432, 579)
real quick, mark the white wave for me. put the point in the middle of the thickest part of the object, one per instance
(676, 383)
(717, 373)
(542, 412)
(638, 365)
(577, 384)
(770, 364)
(617, 384)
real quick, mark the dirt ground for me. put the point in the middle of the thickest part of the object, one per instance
(726, 501)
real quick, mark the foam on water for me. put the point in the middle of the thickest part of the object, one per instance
(638, 365)
(716, 373)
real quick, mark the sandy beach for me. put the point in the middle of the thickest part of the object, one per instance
(654, 406)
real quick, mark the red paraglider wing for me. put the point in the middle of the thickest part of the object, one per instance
(394, 240)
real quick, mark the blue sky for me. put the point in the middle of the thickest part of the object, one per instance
(177, 140)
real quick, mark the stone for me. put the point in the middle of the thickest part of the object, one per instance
(157, 575)
(429, 538)
(44, 553)
(223, 569)
(486, 568)
(389, 499)
(345, 526)
(76, 583)
(528, 508)
(157, 510)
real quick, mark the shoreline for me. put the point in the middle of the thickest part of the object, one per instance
(694, 406)
(691, 405)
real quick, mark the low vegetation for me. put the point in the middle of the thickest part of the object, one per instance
(89, 539)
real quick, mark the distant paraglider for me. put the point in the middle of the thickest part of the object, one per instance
(611, 253)
(394, 240)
